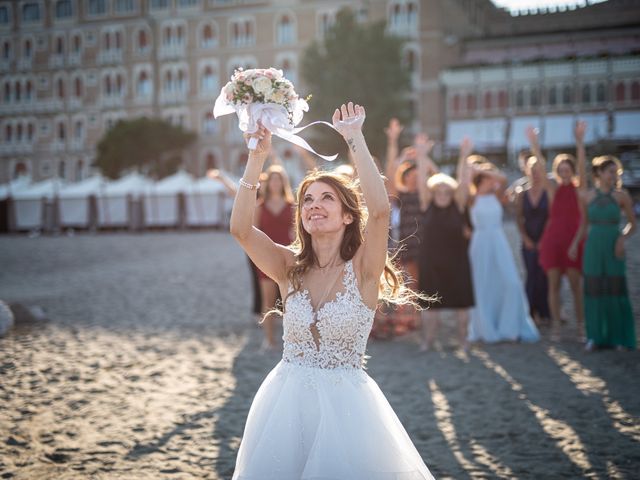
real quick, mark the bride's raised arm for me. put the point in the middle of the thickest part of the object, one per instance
(267, 255)
(348, 120)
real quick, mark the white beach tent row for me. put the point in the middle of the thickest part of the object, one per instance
(131, 201)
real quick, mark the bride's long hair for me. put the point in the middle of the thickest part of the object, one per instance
(391, 287)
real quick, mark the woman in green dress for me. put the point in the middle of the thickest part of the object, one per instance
(608, 315)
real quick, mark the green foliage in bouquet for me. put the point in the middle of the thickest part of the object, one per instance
(149, 145)
(362, 63)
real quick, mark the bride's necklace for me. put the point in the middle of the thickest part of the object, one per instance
(320, 302)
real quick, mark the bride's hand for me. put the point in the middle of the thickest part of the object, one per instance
(264, 141)
(348, 119)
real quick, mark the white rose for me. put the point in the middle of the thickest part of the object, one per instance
(277, 74)
(261, 85)
(276, 96)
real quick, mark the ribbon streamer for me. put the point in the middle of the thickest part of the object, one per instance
(274, 118)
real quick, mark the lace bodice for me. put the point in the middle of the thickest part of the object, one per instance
(343, 326)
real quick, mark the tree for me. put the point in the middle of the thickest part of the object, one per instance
(151, 145)
(359, 63)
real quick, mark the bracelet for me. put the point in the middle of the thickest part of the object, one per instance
(248, 185)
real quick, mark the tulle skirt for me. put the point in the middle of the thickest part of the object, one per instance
(309, 423)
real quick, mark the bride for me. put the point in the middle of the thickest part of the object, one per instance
(318, 415)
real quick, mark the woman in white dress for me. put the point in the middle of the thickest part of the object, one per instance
(501, 312)
(318, 415)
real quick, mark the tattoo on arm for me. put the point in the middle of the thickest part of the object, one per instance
(352, 145)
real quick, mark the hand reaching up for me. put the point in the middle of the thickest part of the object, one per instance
(423, 144)
(532, 135)
(394, 129)
(466, 147)
(580, 130)
(348, 119)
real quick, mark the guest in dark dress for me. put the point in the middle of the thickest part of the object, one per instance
(445, 271)
(532, 210)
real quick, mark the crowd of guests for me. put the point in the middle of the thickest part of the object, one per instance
(447, 235)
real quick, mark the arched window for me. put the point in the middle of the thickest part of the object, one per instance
(534, 97)
(601, 93)
(503, 99)
(28, 94)
(31, 12)
(209, 80)
(621, 92)
(284, 30)
(118, 40)
(78, 130)
(18, 89)
(60, 46)
(181, 85)
(167, 36)
(28, 48)
(61, 92)
(107, 85)
(208, 124)
(79, 170)
(77, 87)
(106, 40)
(119, 84)
(7, 92)
(143, 86)
(412, 14)
(6, 50)
(553, 96)
(168, 81)
(8, 133)
(410, 60)
(519, 98)
(142, 39)
(62, 169)
(62, 131)
(19, 133)
(208, 38)
(180, 34)
(30, 131)
(77, 43)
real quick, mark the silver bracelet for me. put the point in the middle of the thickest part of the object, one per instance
(248, 185)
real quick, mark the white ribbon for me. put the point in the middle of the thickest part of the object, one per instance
(274, 118)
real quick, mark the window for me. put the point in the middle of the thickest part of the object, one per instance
(97, 7)
(410, 60)
(209, 124)
(519, 98)
(30, 131)
(63, 9)
(107, 85)
(19, 133)
(325, 22)
(288, 71)
(119, 85)
(208, 38)
(188, 3)
(143, 85)
(285, 31)
(118, 40)
(7, 92)
(6, 50)
(77, 87)
(28, 48)
(209, 81)
(62, 169)
(78, 130)
(621, 92)
(31, 12)
(586, 93)
(167, 36)
(4, 15)
(168, 81)
(60, 89)
(180, 34)
(60, 46)
(181, 84)
(18, 90)
(124, 6)
(28, 91)
(8, 133)
(79, 170)
(62, 131)
(76, 43)
(242, 33)
(143, 41)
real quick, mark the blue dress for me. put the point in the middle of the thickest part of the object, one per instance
(535, 219)
(501, 312)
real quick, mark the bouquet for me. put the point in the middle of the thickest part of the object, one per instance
(265, 96)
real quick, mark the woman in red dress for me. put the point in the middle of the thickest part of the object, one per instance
(562, 242)
(274, 216)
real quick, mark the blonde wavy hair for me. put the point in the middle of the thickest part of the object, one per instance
(391, 287)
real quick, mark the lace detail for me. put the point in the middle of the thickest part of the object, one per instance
(343, 326)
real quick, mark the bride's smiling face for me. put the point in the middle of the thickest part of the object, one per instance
(322, 210)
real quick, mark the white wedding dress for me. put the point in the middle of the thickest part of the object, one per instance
(501, 312)
(318, 415)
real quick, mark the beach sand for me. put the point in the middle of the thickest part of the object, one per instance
(149, 360)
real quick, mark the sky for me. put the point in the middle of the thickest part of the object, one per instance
(516, 5)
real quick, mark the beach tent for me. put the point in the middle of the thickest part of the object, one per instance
(35, 204)
(7, 216)
(207, 203)
(8, 189)
(115, 200)
(74, 202)
(162, 205)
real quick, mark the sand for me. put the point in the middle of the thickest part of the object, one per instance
(149, 359)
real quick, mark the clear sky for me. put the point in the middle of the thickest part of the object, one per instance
(515, 5)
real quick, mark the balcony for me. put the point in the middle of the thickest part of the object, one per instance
(75, 103)
(58, 146)
(16, 148)
(25, 64)
(76, 145)
(112, 101)
(56, 61)
(173, 97)
(107, 57)
(172, 51)
(75, 59)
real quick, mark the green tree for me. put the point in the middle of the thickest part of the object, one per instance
(148, 144)
(359, 63)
